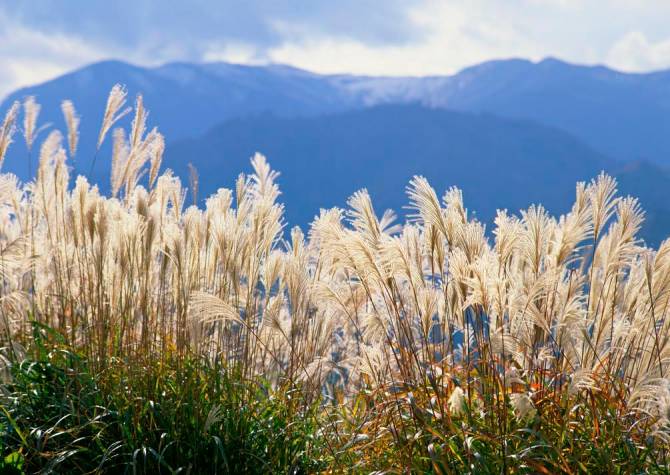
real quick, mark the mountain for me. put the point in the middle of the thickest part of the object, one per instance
(625, 116)
(184, 99)
(650, 184)
(497, 162)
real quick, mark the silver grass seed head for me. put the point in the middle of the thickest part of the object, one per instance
(31, 110)
(113, 111)
(7, 130)
(72, 123)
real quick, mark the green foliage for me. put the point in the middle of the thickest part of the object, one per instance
(187, 414)
(585, 433)
(202, 418)
(178, 416)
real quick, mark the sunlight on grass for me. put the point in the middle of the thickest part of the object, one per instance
(142, 335)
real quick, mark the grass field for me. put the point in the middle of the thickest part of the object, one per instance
(143, 335)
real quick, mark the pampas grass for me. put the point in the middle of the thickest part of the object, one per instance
(412, 336)
(114, 110)
(7, 130)
(31, 110)
(72, 123)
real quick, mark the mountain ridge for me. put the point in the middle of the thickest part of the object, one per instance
(623, 115)
(497, 162)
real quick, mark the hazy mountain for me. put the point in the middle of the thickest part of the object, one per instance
(626, 116)
(498, 163)
(184, 99)
(650, 184)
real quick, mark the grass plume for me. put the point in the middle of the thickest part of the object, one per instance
(426, 345)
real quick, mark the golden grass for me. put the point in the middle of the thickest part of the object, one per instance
(430, 312)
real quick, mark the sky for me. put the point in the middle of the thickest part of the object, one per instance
(41, 39)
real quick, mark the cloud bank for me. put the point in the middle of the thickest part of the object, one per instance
(43, 38)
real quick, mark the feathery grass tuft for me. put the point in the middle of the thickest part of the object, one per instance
(144, 335)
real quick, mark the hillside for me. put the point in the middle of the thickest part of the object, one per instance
(184, 99)
(499, 163)
(624, 116)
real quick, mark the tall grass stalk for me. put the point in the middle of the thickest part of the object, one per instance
(426, 336)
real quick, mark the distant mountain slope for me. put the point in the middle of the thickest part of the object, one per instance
(650, 184)
(499, 163)
(623, 116)
(184, 99)
(626, 116)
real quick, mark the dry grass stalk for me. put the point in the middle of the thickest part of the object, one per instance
(574, 303)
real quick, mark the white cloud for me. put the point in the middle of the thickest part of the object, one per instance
(459, 34)
(634, 52)
(29, 56)
(455, 37)
(234, 52)
(416, 37)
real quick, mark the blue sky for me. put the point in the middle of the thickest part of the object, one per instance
(40, 39)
